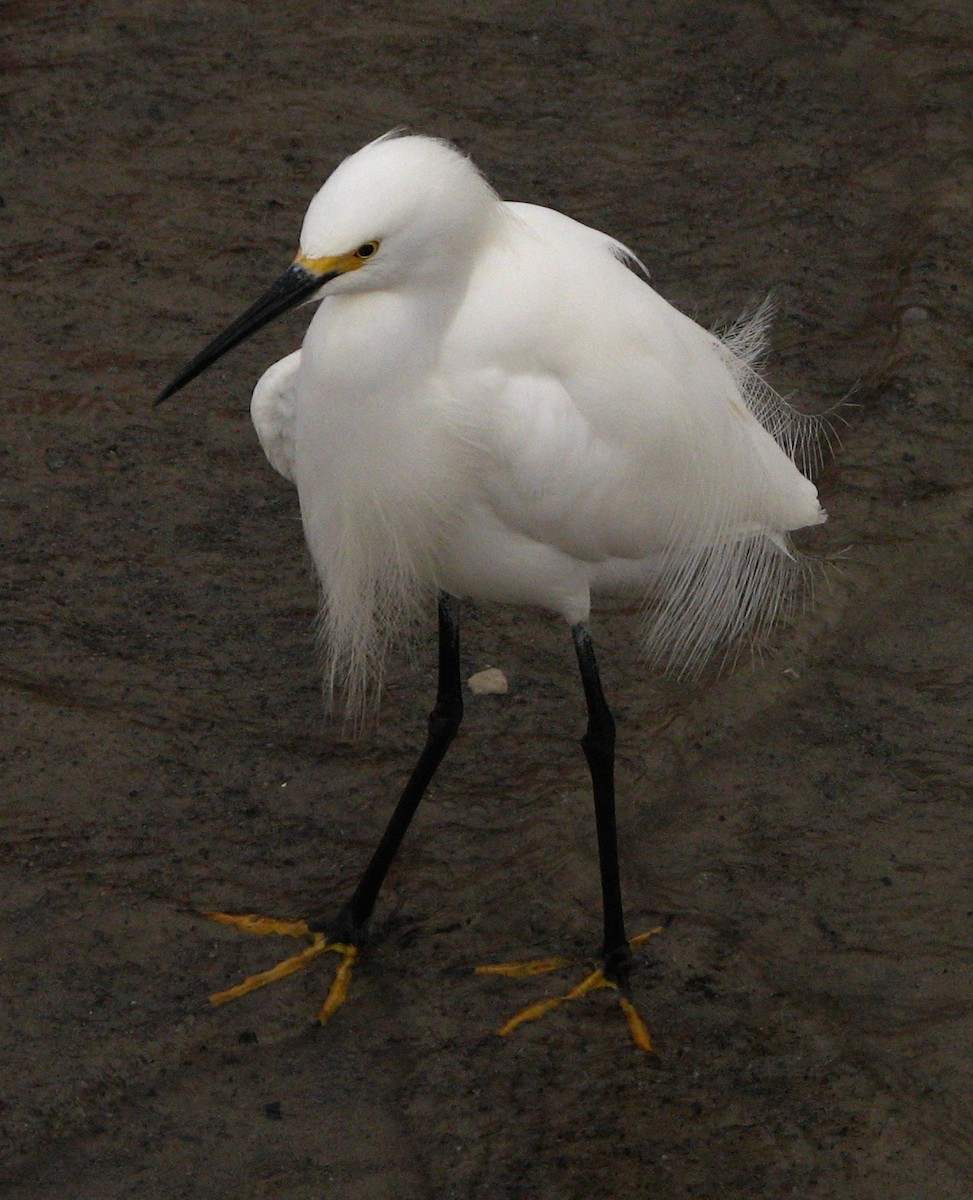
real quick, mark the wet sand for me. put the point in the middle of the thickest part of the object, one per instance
(801, 825)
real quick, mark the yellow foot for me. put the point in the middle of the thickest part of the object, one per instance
(262, 926)
(596, 980)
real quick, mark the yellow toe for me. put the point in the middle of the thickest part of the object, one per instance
(525, 970)
(263, 926)
(636, 1026)
(533, 1012)
(338, 992)
(297, 962)
(638, 1030)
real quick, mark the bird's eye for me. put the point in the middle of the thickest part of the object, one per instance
(367, 250)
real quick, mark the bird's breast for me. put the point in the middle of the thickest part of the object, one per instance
(379, 469)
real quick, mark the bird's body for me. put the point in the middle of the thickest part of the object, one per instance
(491, 403)
(530, 424)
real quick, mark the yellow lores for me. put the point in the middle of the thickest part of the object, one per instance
(339, 264)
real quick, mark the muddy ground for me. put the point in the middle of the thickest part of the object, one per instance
(803, 824)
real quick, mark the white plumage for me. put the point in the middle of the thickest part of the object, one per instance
(496, 405)
(491, 403)
(272, 410)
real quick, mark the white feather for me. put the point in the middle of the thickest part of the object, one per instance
(495, 405)
(272, 410)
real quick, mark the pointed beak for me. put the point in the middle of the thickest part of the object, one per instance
(297, 284)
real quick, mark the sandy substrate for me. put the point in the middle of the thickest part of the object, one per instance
(802, 825)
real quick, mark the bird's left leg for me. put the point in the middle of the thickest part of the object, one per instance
(346, 934)
(598, 744)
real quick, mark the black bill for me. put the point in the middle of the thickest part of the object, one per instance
(292, 288)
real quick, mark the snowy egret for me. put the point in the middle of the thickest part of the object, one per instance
(490, 402)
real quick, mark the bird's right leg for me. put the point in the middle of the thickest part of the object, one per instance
(444, 721)
(346, 933)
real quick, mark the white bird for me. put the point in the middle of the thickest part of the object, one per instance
(491, 403)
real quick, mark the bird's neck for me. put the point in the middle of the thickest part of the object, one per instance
(374, 347)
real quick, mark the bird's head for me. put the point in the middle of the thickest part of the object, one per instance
(396, 214)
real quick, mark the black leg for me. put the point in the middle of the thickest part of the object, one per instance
(444, 720)
(598, 744)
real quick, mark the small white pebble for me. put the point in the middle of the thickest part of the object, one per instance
(491, 682)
